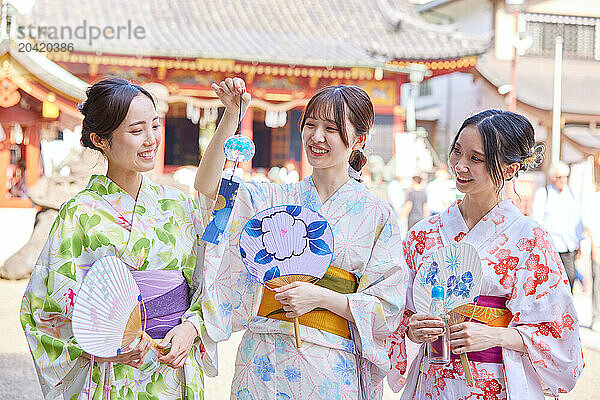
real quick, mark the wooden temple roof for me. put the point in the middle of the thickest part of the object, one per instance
(332, 33)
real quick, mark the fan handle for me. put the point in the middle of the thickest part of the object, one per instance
(297, 333)
(456, 318)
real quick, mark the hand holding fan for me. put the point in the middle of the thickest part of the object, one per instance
(458, 269)
(285, 244)
(107, 315)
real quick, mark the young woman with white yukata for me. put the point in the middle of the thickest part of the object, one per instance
(347, 358)
(150, 227)
(534, 347)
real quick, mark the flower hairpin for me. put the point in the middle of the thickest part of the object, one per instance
(535, 157)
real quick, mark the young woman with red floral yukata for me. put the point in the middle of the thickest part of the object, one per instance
(536, 349)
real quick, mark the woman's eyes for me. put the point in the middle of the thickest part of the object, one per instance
(138, 131)
(310, 124)
(473, 158)
(332, 129)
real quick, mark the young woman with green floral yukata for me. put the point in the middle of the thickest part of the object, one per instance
(150, 227)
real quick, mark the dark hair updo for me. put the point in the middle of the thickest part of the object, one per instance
(507, 138)
(106, 107)
(337, 102)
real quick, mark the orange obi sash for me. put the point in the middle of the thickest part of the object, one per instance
(489, 310)
(336, 279)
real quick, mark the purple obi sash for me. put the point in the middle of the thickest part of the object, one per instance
(165, 300)
(493, 354)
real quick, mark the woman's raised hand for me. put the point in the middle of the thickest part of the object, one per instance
(229, 91)
(423, 328)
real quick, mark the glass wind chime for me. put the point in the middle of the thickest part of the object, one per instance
(238, 148)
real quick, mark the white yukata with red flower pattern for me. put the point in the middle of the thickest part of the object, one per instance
(520, 264)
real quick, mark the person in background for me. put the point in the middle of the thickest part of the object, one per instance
(415, 208)
(591, 221)
(555, 208)
(395, 194)
(292, 176)
(440, 192)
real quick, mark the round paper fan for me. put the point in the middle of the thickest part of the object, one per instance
(106, 306)
(458, 269)
(285, 244)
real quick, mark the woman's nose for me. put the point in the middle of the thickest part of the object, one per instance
(460, 167)
(318, 136)
(150, 138)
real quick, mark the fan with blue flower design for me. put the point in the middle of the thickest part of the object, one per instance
(457, 268)
(285, 244)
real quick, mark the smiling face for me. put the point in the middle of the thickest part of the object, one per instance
(134, 143)
(323, 143)
(467, 163)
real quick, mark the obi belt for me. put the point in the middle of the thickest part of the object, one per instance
(335, 279)
(164, 300)
(489, 310)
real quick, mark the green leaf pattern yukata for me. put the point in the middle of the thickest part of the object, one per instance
(159, 231)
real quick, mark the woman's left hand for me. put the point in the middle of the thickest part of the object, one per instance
(298, 298)
(467, 337)
(181, 338)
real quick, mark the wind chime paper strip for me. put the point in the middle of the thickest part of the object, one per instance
(222, 211)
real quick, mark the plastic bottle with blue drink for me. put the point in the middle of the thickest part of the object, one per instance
(438, 352)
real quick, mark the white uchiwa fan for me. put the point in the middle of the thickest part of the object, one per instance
(457, 268)
(109, 297)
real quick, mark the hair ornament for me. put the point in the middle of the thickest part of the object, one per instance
(535, 158)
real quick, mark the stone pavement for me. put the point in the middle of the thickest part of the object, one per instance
(18, 380)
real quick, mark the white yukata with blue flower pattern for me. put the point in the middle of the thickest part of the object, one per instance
(268, 365)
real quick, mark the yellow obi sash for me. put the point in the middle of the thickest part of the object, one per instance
(335, 279)
(491, 311)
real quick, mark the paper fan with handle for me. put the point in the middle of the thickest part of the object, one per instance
(107, 315)
(457, 268)
(285, 244)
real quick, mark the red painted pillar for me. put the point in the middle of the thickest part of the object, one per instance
(32, 154)
(247, 129)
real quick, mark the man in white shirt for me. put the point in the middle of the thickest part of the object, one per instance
(441, 192)
(555, 208)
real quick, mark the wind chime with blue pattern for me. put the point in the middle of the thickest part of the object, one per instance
(238, 148)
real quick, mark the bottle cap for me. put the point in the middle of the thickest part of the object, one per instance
(437, 292)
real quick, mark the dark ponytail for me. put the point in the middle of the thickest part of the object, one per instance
(106, 107)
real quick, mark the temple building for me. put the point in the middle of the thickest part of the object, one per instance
(285, 51)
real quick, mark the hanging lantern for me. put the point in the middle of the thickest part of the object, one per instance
(17, 134)
(49, 109)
